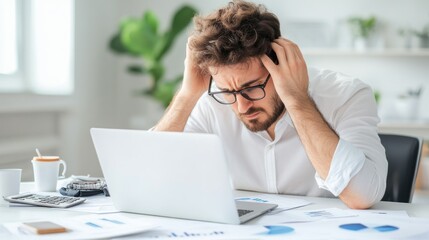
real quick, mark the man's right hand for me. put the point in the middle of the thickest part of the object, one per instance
(195, 83)
(195, 80)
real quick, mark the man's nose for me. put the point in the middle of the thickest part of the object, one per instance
(243, 104)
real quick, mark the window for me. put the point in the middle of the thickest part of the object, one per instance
(52, 31)
(36, 52)
(8, 44)
(8, 50)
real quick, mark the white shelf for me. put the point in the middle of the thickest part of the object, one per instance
(16, 103)
(424, 125)
(392, 52)
(412, 128)
(17, 146)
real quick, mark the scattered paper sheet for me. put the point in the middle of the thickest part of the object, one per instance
(301, 216)
(94, 226)
(357, 227)
(95, 204)
(370, 227)
(4, 233)
(183, 229)
(399, 213)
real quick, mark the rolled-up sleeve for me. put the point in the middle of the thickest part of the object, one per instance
(346, 163)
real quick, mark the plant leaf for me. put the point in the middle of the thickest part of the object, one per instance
(150, 19)
(139, 35)
(130, 36)
(136, 69)
(180, 21)
(116, 45)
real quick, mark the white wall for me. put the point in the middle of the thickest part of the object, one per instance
(95, 69)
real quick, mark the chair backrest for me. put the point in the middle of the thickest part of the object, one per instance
(403, 155)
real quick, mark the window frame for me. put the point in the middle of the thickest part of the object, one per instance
(14, 82)
(24, 79)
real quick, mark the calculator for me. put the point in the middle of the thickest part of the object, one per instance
(45, 200)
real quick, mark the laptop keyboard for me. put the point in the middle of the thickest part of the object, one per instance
(242, 212)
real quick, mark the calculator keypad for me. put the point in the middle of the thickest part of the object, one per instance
(46, 200)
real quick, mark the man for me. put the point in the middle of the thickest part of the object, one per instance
(286, 129)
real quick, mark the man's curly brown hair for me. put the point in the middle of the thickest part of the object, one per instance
(233, 34)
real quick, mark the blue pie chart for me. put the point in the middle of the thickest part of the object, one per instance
(277, 230)
(359, 227)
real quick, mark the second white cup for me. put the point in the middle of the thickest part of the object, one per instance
(46, 170)
(10, 180)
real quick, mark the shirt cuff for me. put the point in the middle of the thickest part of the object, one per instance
(346, 163)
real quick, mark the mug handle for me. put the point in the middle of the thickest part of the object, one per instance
(64, 169)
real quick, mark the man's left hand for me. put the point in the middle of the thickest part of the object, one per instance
(290, 76)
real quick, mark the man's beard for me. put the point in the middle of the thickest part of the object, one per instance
(255, 125)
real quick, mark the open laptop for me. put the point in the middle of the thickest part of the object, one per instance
(180, 175)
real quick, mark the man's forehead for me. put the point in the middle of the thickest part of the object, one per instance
(251, 64)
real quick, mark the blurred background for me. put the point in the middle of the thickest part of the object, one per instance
(67, 66)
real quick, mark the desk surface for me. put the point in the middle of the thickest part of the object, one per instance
(416, 226)
(14, 214)
(413, 209)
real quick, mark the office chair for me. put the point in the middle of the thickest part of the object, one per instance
(403, 155)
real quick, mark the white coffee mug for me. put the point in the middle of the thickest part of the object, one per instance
(10, 180)
(46, 172)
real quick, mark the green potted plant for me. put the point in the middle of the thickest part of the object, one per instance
(361, 29)
(406, 34)
(407, 104)
(377, 96)
(423, 36)
(141, 37)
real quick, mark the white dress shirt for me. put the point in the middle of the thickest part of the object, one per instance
(258, 163)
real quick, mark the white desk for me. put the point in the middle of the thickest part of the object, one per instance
(418, 209)
(19, 214)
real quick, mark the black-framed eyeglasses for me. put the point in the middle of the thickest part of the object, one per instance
(253, 93)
